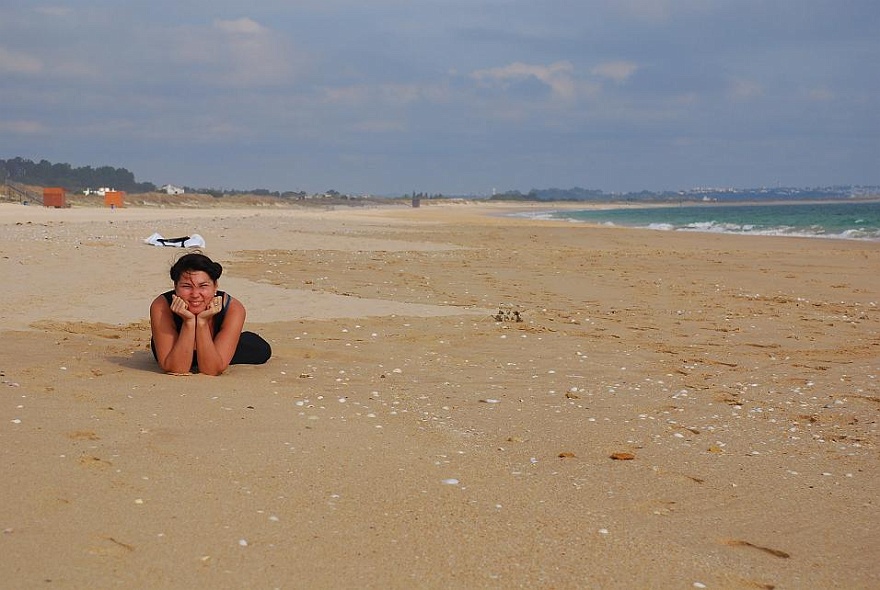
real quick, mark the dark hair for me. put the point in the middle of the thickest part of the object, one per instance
(195, 262)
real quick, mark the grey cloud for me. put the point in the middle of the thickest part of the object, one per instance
(447, 95)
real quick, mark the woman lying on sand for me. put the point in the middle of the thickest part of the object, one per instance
(197, 327)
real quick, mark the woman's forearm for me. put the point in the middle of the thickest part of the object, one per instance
(210, 361)
(179, 359)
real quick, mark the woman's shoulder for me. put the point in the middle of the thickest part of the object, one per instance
(162, 299)
(233, 306)
(231, 302)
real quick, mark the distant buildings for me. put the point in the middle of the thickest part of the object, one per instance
(170, 189)
(98, 191)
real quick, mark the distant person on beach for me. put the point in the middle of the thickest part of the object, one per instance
(196, 327)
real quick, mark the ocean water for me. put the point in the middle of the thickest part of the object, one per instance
(839, 220)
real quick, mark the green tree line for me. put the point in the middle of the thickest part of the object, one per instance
(45, 173)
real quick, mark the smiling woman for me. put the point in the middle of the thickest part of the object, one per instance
(197, 327)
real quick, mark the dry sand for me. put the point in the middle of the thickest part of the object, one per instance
(403, 437)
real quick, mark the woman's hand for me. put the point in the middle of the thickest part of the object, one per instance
(213, 309)
(179, 307)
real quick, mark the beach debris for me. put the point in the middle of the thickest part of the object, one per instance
(93, 461)
(450, 481)
(771, 551)
(566, 455)
(687, 428)
(490, 401)
(242, 543)
(508, 316)
(125, 546)
(193, 241)
(622, 456)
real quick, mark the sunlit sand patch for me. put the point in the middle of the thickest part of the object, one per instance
(270, 303)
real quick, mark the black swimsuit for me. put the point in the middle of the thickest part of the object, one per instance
(251, 348)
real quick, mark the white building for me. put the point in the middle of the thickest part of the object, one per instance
(171, 189)
(99, 191)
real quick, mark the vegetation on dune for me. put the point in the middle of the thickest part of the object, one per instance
(45, 173)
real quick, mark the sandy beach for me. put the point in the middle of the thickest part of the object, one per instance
(457, 399)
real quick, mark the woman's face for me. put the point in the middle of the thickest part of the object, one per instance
(197, 289)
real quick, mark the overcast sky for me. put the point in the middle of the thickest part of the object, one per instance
(447, 96)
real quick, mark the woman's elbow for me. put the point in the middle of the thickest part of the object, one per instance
(169, 367)
(166, 366)
(214, 371)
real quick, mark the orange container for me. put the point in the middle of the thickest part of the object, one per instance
(54, 197)
(114, 199)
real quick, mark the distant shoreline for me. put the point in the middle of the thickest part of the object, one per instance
(197, 201)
